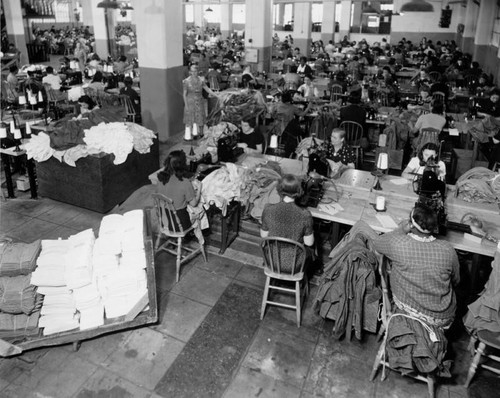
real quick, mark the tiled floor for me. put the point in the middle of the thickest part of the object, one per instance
(281, 361)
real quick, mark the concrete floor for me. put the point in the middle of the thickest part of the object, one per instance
(281, 360)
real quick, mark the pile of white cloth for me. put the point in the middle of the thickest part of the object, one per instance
(112, 138)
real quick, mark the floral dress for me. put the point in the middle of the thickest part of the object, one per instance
(194, 109)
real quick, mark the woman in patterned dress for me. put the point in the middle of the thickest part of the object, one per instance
(194, 103)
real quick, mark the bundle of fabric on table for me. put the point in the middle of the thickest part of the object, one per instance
(18, 258)
(17, 295)
(18, 326)
(348, 292)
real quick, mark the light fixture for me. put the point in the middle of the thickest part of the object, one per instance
(127, 6)
(208, 9)
(417, 6)
(108, 4)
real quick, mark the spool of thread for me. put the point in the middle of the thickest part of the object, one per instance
(3, 132)
(195, 130)
(382, 140)
(383, 161)
(380, 203)
(28, 128)
(33, 100)
(22, 100)
(17, 134)
(40, 96)
(12, 126)
(274, 142)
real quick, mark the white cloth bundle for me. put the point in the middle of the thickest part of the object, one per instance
(111, 138)
(120, 305)
(133, 259)
(38, 147)
(141, 137)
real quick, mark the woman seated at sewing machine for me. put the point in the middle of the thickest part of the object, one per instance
(251, 137)
(427, 156)
(307, 91)
(339, 154)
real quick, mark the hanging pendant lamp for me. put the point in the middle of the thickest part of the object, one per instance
(417, 6)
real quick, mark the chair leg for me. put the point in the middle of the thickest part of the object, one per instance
(203, 253)
(430, 386)
(264, 298)
(157, 243)
(378, 359)
(178, 260)
(298, 302)
(475, 363)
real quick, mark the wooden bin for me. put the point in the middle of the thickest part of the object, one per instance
(144, 313)
(96, 183)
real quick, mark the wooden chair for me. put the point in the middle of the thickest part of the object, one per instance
(382, 98)
(435, 76)
(426, 135)
(284, 260)
(439, 97)
(129, 109)
(336, 92)
(487, 339)
(57, 103)
(171, 228)
(353, 136)
(386, 313)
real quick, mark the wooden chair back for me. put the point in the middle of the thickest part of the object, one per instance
(353, 132)
(283, 256)
(336, 92)
(168, 219)
(439, 96)
(435, 76)
(427, 135)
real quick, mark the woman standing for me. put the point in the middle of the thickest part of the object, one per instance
(194, 103)
(80, 55)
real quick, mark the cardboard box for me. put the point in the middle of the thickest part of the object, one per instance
(23, 183)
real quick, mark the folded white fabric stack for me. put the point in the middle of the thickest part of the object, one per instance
(133, 240)
(58, 313)
(89, 304)
(122, 282)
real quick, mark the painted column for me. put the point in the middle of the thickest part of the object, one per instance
(470, 23)
(87, 15)
(159, 45)
(302, 27)
(258, 32)
(485, 20)
(15, 27)
(226, 18)
(345, 19)
(328, 23)
(99, 24)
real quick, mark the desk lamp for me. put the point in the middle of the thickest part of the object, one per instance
(382, 165)
(17, 137)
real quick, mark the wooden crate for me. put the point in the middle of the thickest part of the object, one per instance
(144, 313)
(96, 183)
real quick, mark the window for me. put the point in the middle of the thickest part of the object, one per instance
(239, 13)
(189, 13)
(283, 16)
(316, 16)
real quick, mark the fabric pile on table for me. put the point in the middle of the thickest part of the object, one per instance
(18, 295)
(479, 185)
(212, 135)
(18, 258)
(116, 138)
(123, 283)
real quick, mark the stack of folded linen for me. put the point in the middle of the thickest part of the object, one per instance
(121, 286)
(18, 258)
(15, 326)
(133, 254)
(18, 295)
(58, 313)
(89, 305)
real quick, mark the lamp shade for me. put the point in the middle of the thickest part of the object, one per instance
(40, 96)
(108, 4)
(28, 128)
(417, 6)
(383, 161)
(3, 132)
(22, 100)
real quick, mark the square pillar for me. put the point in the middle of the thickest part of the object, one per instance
(15, 27)
(485, 21)
(302, 27)
(258, 32)
(328, 22)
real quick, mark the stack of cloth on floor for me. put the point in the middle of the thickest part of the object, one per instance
(19, 301)
(120, 261)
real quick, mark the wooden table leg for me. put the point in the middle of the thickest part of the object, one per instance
(8, 175)
(30, 164)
